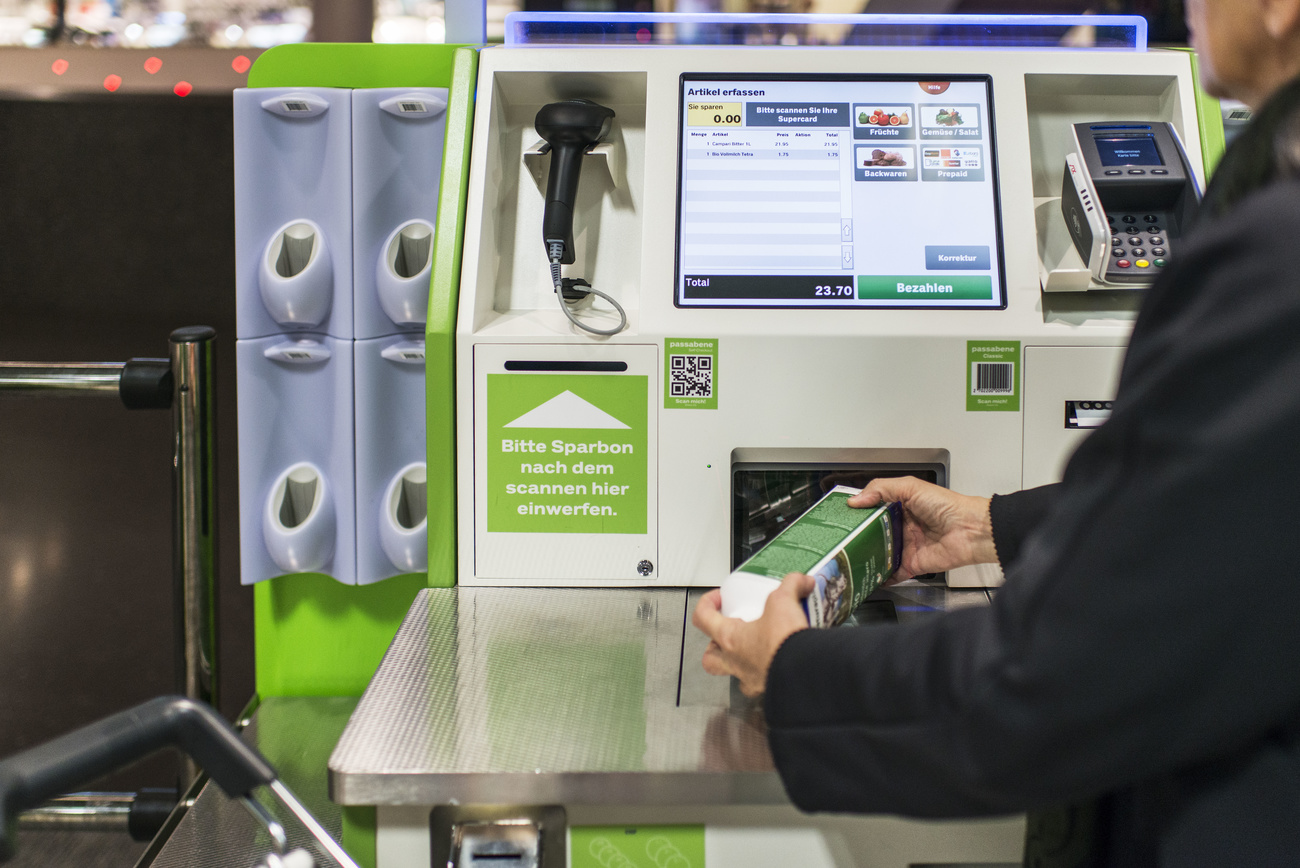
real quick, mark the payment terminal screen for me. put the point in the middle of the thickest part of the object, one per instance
(1129, 151)
(837, 191)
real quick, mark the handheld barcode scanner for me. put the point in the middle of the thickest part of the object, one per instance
(570, 129)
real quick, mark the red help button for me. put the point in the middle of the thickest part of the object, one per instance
(935, 87)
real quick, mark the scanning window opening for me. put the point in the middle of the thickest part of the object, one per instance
(299, 497)
(297, 244)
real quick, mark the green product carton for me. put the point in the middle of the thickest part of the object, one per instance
(850, 552)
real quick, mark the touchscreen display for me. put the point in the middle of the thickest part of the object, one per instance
(1129, 151)
(837, 191)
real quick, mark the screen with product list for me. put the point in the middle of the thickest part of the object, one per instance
(841, 191)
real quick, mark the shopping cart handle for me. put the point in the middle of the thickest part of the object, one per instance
(72, 760)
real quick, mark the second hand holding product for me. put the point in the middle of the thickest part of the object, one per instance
(850, 552)
(570, 128)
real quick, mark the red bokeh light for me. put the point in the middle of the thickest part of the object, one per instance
(152, 65)
(183, 88)
(643, 35)
(241, 64)
(59, 66)
(112, 82)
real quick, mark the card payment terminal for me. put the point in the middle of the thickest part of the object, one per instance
(1127, 195)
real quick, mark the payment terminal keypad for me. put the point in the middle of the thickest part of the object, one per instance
(1139, 245)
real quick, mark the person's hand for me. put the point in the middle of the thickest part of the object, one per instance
(745, 649)
(941, 528)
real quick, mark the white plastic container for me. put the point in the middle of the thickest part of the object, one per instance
(397, 145)
(296, 485)
(293, 211)
(390, 470)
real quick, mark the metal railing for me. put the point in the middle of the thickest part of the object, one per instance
(184, 383)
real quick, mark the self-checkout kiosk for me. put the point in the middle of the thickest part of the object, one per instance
(823, 272)
(762, 271)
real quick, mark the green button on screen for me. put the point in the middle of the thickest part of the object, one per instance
(910, 287)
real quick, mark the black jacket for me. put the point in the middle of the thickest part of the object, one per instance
(1144, 654)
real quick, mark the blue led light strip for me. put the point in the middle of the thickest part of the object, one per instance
(1111, 32)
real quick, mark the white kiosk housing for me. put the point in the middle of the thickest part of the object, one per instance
(835, 263)
(814, 305)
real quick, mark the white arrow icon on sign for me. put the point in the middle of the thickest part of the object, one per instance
(566, 410)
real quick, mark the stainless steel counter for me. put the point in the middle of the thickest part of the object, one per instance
(568, 696)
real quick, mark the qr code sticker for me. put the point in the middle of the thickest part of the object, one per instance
(690, 376)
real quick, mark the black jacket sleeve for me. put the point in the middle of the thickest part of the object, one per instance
(1148, 622)
(1014, 517)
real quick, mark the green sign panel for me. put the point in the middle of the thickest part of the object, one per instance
(690, 373)
(566, 453)
(636, 847)
(993, 375)
(945, 287)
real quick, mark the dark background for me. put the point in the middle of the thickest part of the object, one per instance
(116, 227)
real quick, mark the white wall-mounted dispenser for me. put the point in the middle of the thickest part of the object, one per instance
(336, 202)
(293, 211)
(397, 145)
(390, 469)
(296, 469)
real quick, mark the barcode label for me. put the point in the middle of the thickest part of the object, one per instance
(690, 376)
(294, 106)
(993, 378)
(416, 107)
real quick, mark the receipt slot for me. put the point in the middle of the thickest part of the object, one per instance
(1127, 195)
